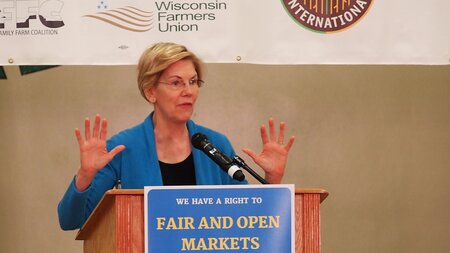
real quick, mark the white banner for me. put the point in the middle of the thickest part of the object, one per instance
(110, 32)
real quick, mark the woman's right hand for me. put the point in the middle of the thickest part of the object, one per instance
(93, 153)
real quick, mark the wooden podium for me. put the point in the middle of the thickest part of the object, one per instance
(117, 223)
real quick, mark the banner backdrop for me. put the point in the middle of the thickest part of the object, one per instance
(109, 32)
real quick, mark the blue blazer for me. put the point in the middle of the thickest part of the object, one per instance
(138, 166)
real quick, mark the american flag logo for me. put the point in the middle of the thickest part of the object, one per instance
(127, 18)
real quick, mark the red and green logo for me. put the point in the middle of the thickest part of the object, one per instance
(327, 16)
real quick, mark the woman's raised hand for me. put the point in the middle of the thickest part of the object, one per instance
(273, 157)
(93, 153)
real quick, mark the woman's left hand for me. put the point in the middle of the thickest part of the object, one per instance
(273, 157)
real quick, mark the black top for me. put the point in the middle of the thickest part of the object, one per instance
(182, 173)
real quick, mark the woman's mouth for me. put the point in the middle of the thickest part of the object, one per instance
(185, 105)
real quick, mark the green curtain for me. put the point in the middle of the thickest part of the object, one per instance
(2, 73)
(24, 70)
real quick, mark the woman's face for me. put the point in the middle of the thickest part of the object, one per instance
(174, 97)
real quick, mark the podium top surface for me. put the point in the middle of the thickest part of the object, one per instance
(323, 193)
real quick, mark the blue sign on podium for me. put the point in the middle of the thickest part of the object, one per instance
(244, 218)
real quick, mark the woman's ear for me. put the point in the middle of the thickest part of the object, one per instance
(149, 94)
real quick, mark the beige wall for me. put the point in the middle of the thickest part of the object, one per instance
(376, 137)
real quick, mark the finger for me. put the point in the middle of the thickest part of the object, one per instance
(250, 153)
(272, 130)
(96, 126)
(78, 135)
(104, 129)
(116, 151)
(264, 137)
(87, 129)
(290, 143)
(281, 133)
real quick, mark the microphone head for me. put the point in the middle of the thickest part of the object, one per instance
(199, 140)
(239, 175)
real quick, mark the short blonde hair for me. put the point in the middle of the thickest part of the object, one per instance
(158, 58)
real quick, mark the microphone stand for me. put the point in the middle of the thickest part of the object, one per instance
(239, 161)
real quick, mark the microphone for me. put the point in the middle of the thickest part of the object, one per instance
(200, 141)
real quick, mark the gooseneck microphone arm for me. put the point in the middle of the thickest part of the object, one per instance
(241, 163)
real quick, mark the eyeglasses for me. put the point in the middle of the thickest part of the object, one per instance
(178, 84)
